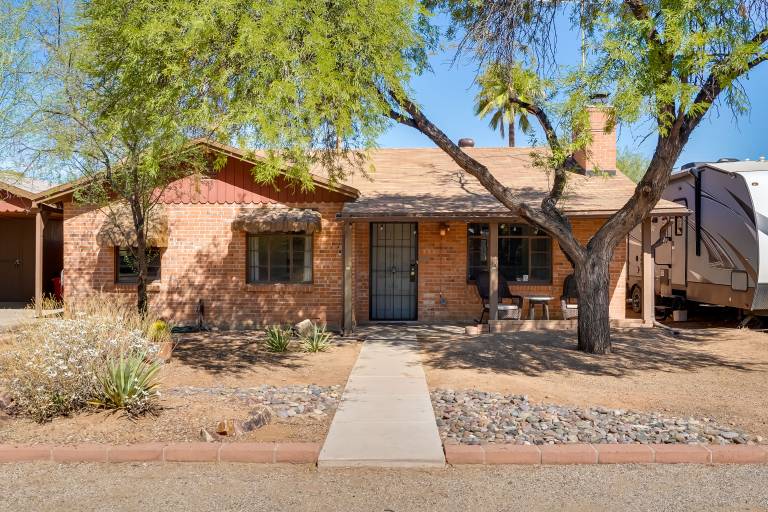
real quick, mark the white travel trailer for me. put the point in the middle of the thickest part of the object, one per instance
(719, 253)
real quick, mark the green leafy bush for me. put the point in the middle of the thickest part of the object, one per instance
(159, 331)
(278, 338)
(316, 340)
(129, 383)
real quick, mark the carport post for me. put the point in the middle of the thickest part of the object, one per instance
(493, 251)
(649, 307)
(39, 227)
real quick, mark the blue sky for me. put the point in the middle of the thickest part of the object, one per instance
(447, 95)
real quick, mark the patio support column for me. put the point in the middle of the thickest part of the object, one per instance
(649, 307)
(348, 301)
(39, 227)
(493, 261)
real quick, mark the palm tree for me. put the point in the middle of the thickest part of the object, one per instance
(499, 84)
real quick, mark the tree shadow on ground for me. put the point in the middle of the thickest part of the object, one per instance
(534, 353)
(230, 352)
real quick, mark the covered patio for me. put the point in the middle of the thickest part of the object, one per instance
(31, 252)
(418, 236)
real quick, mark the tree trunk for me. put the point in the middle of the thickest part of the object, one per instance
(511, 132)
(141, 278)
(139, 220)
(593, 281)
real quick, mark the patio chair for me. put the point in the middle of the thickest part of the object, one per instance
(506, 311)
(569, 300)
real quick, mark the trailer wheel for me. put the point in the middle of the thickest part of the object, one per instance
(636, 296)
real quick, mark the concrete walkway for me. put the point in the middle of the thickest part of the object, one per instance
(12, 314)
(385, 417)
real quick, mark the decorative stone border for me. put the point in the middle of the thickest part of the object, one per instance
(606, 454)
(265, 453)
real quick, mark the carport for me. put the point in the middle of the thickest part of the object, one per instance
(31, 242)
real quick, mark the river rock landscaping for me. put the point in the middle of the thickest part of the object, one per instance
(477, 417)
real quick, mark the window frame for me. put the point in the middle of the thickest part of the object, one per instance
(530, 250)
(270, 237)
(133, 278)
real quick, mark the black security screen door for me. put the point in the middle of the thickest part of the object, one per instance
(394, 270)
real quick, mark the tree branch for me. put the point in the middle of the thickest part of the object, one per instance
(713, 85)
(553, 222)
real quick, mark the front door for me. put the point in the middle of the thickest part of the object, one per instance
(394, 270)
(17, 259)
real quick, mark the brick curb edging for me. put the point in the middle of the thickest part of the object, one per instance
(307, 453)
(265, 453)
(606, 454)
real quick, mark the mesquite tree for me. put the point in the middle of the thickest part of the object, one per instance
(123, 132)
(667, 61)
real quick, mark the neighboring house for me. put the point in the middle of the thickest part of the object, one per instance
(403, 245)
(18, 209)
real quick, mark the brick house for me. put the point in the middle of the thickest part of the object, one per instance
(404, 244)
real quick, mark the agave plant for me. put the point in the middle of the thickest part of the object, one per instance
(129, 384)
(316, 340)
(278, 338)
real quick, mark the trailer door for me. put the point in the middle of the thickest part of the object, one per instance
(679, 234)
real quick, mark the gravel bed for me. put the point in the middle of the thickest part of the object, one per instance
(285, 401)
(476, 417)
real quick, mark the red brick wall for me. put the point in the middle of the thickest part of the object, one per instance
(443, 274)
(601, 153)
(206, 259)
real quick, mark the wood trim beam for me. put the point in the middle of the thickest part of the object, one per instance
(39, 228)
(348, 308)
(493, 263)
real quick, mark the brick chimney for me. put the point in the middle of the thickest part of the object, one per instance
(601, 153)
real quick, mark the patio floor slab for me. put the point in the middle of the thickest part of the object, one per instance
(385, 418)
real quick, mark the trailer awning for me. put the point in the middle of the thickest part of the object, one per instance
(118, 228)
(276, 219)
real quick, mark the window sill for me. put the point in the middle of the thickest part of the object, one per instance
(154, 286)
(276, 285)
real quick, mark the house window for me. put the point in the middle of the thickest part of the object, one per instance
(279, 258)
(126, 267)
(525, 253)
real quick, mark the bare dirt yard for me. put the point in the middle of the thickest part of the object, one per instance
(212, 377)
(719, 373)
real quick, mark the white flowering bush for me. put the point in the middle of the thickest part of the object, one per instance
(56, 366)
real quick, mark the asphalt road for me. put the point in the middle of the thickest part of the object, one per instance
(210, 487)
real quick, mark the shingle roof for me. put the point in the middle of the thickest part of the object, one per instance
(426, 182)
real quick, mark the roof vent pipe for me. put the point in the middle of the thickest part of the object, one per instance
(466, 143)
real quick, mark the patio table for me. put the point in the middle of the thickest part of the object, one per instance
(540, 300)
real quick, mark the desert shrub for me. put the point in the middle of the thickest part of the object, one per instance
(47, 303)
(278, 338)
(110, 308)
(129, 383)
(159, 331)
(53, 366)
(316, 339)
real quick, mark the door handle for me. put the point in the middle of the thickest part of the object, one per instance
(413, 272)
(17, 262)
